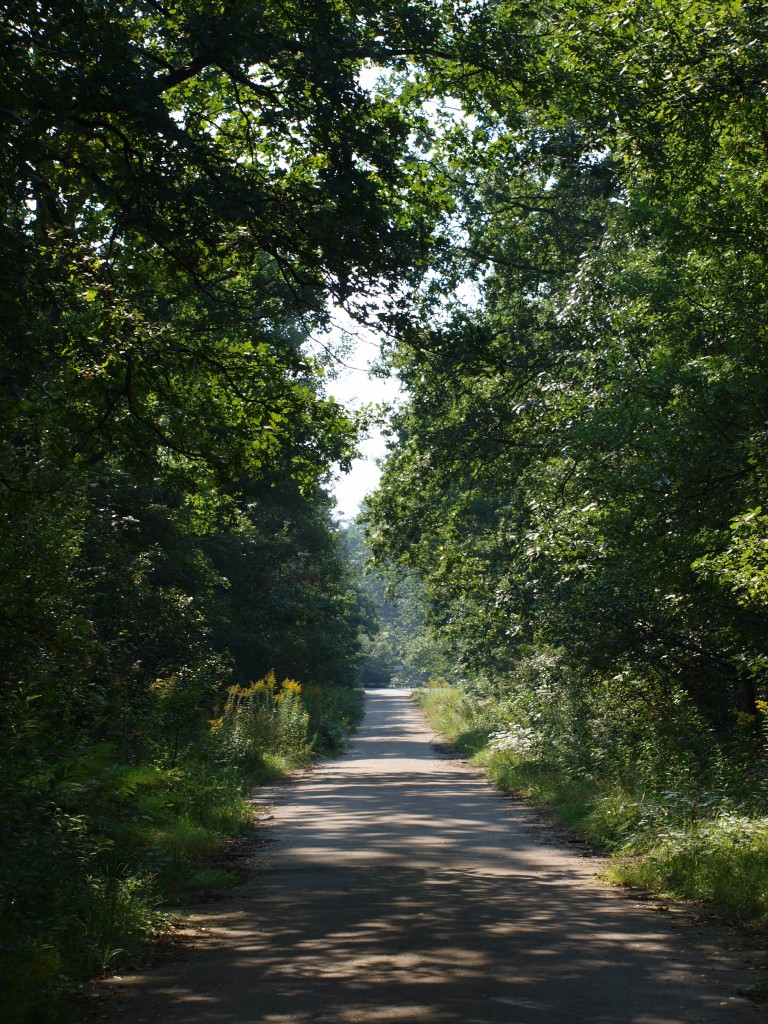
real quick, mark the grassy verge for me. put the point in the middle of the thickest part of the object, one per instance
(683, 842)
(95, 852)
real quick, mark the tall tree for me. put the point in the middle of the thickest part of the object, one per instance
(576, 447)
(185, 185)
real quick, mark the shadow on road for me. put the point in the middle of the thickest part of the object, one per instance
(400, 887)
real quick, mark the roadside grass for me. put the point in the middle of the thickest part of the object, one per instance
(570, 798)
(721, 861)
(697, 845)
(93, 867)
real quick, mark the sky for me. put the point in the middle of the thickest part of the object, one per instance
(354, 387)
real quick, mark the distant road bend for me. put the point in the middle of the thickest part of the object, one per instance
(400, 887)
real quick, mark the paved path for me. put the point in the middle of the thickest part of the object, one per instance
(400, 887)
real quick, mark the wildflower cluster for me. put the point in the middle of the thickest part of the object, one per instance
(263, 719)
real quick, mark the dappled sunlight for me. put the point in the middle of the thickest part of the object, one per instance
(399, 887)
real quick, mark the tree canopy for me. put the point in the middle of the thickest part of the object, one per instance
(581, 462)
(187, 187)
(553, 215)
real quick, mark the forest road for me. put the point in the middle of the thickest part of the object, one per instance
(399, 886)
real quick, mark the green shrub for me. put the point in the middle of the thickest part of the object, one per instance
(681, 813)
(91, 846)
(334, 711)
(723, 860)
(264, 718)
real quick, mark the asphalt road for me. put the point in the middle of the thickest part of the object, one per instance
(396, 885)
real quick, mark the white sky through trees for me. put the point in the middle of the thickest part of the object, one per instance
(354, 386)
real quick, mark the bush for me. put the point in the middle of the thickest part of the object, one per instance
(723, 861)
(633, 767)
(334, 711)
(258, 720)
(92, 846)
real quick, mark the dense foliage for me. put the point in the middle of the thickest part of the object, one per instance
(579, 474)
(582, 460)
(185, 187)
(396, 648)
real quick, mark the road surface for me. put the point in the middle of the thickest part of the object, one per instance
(398, 886)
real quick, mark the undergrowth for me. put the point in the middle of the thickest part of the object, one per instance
(681, 813)
(94, 850)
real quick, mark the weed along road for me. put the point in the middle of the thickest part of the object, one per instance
(398, 886)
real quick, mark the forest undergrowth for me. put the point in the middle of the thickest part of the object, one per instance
(106, 850)
(681, 814)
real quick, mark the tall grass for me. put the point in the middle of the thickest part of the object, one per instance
(93, 851)
(722, 861)
(680, 814)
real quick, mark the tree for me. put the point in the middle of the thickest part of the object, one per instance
(185, 187)
(576, 447)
